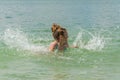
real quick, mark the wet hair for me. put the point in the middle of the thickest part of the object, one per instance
(60, 34)
(54, 27)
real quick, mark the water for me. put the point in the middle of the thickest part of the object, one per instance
(25, 35)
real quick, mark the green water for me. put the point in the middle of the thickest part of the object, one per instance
(25, 34)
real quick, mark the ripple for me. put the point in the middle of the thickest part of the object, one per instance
(8, 17)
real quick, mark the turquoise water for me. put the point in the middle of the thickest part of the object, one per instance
(25, 35)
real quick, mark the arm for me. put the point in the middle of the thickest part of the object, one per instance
(52, 46)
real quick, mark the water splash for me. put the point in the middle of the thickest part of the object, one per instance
(78, 40)
(16, 38)
(95, 43)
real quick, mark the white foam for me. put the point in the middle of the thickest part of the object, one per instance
(16, 38)
(95, 42)
(78, 40)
